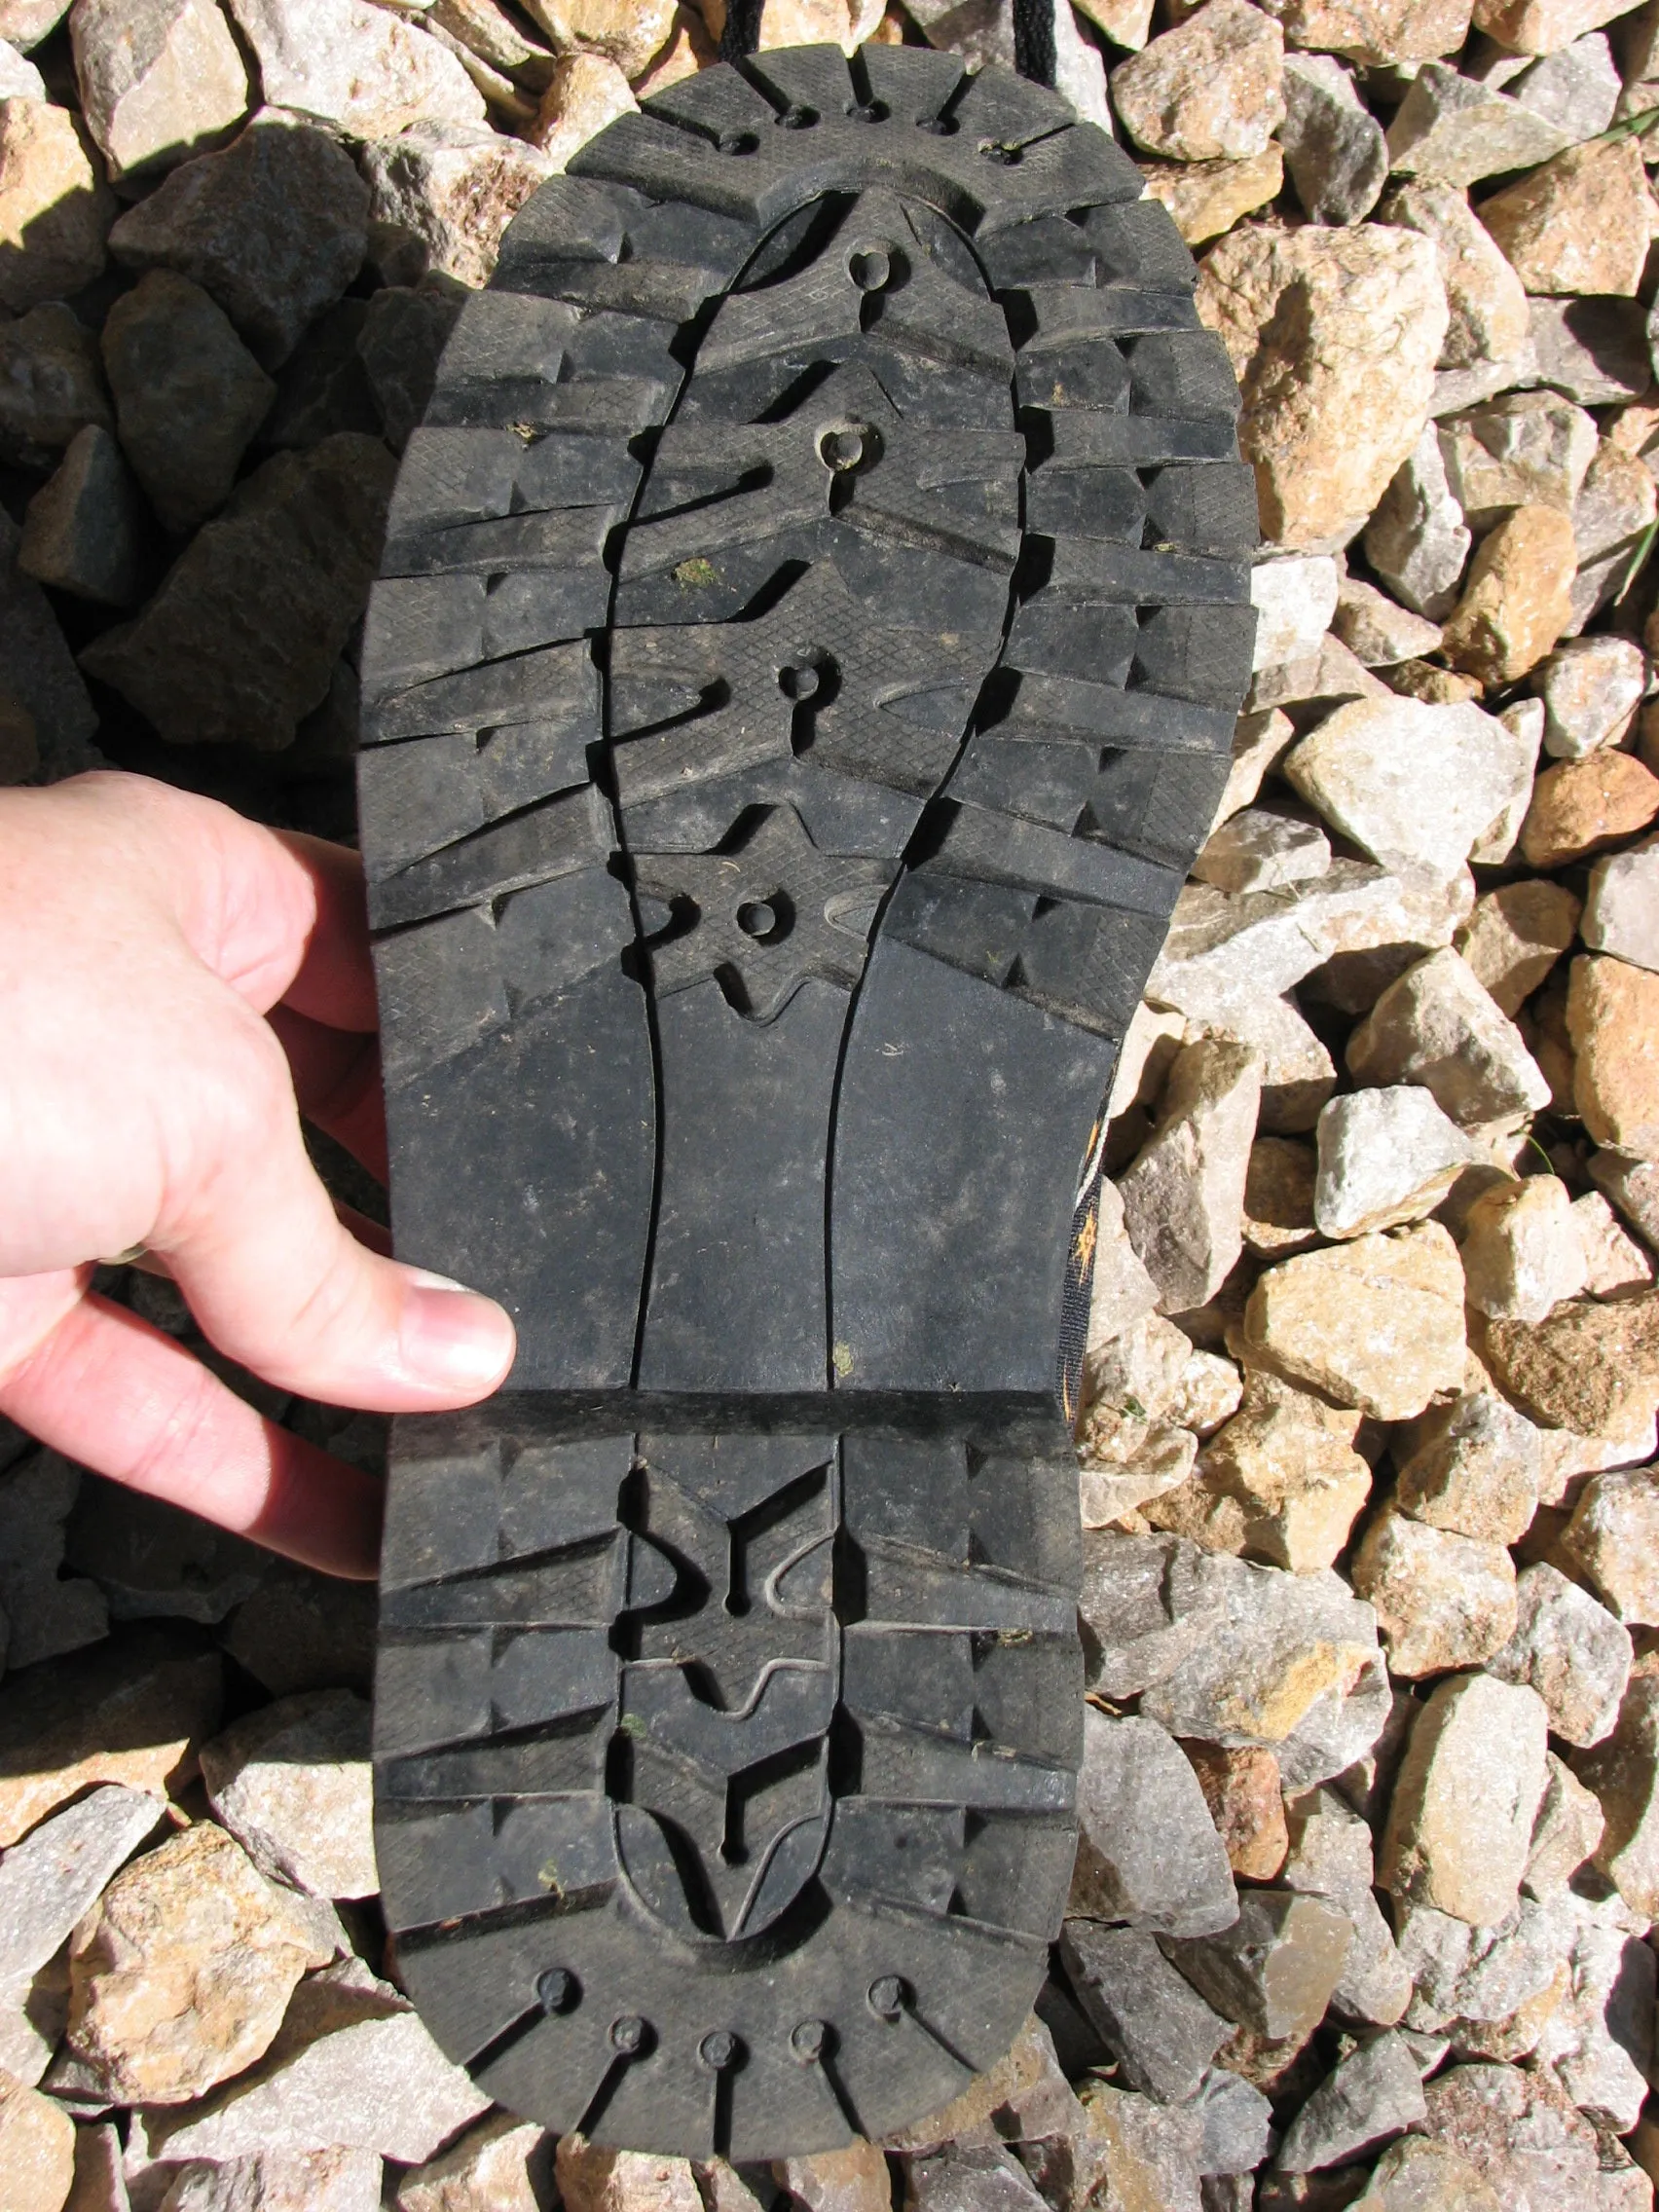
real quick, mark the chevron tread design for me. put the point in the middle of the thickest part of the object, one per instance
(813, 616)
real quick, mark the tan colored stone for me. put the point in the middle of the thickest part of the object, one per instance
(1474, 1467)
(1578, 224)
(1569, 1822)
(55, 209)
(585, 93)
(1377, 631)
(160, 80)
(1210, 90)
(1461, 1820)
(1242, 1789)
(1613, 1537)
(1278, 1197)
(845, 24)
(356, 66)
(132, 1711)
(688, 49)
(183, 1977)
(292, 1783)
(504, 2164)
(1273, 1971)
(1376, 1323)
(1590, 1367)
(1375, 30)
(1521, 1252)
(1207, 198)
(1486, 301)
(1127, 22)
(1517, 599)
(853, 2180)
(1615, 1262)
(1334, 333)
(1026, 2086)
(1583, 807)
(1542, 26)
(1434, 686)
(627, 35)
(450, 199)
(592, 2179)
(1613, 1018)
(37, 2149)
(1182, 1197)
(1515, 937)
(1436, 1026)
(1442, 1599)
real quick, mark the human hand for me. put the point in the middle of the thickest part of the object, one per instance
(176, 986)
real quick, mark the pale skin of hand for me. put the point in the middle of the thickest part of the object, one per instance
(176, 986)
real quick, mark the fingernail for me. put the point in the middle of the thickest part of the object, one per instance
(455, 1338)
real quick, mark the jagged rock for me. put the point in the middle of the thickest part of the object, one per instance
(1147, 2152)
(46, 1612)
(1520, 2134)
(1376, 1323)
(446, 199)
(1378, 632)
(129, 1710)
(1594, 350)
(1612, 1009)
(1183, 1195)
(37, 2147)
(1273, 1971)
(1451, 129)
(1436, 1026)
(183, 1977)
(1147, 1604)
(1516, 598)
(1590, 1368)
(241, 639)
(154, 1561)
(503, 2164)
(274, 228)
(1442, 1599)
(1386, 1156)
(1485, 1975)
(1335, 394)
(1417, 540)
(1610, 522)
(1621, 915)
(1157, 2027)
(1461, 1820)
(1486, 301)
(1598, 2040)
(1147, 1853)
(355, 66)
(19, 79)
(1528, 448)
(1374, 2094)
(1294, 600)
(1024, 2095)
(1591, 689)
(1623, 1771)
(160, 80)
(1418, 2175)
(1329, 1856)
(1521, 1252)
(1289, 1660)
(959, 2180)
(1579, 223)
(1633, 1185)
(1583, 807)
(188, 395)
(277, 2181)
(1473, 1467)
(353, 2067)
(1515, 937)
(1333, 146)
(1125, 1465)
(1613, 1263)
(592, 2179)
(1566, 1831)
(585, 93)
(1259, 850)
(853, 2180)
(1415, 786)
(1278, 1197)
(1210, 90)
(1613, 1536)
(1523, 720)
(51, 385)
(1375, 31)
(85, 531)
(1242, 1789)
(56, 208)
(292, 1783)
(1205, 199)
(1123, 1292)
(1576, 87)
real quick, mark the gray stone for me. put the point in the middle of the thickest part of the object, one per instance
(1372, 2096)
(1591, 689)
(1623, 1771)
(277, 2181)
(1570, 1650)
(1378, 632)
(1611, 518)
(1474, 1466)
(1621, 915)
(156, 1562)
(1520, 2132)
(1123, 1292)
(1386, 1156)
(292, 1783)
(1160, 2030)
(1565, 1833)
(160, 80)
(1333, 147)
(86, 530)
(51, 385)
(1418, 540)
(1632, 1186)
(1576, 87)
(1451, 128)
(1329, 1856)
(47, 1615)
(1486, 302)
(241, 641)
(1259, 849)
(1436, 1026)
(49, 1879)
(1147, 1605)
(1183, 1198)
(1460, 1821)
(1237, 2123)
(1273, 1971)
(42, 683)
(360, 69)
(1147, 1853)
(1598, 2041)
(189, 395)
(274, 228)
(1528, 447)
(351, 2068)
(20, 80)
(1484, 1974)
(1614, 1264)
(957, 2179)
(1594, 349)
(1294, 598)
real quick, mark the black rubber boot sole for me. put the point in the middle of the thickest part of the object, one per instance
(813, 620)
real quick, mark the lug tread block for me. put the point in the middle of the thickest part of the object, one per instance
(769, 827)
